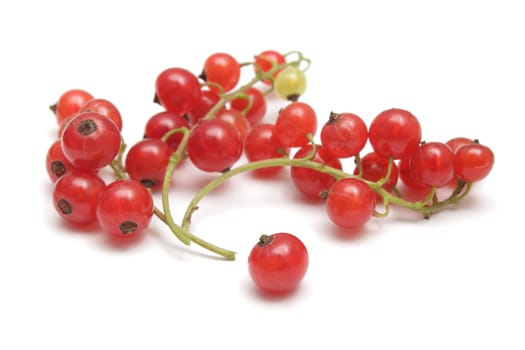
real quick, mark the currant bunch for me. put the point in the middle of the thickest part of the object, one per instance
(211, 119)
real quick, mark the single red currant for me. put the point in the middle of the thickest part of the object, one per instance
(160, 123)
(125, 208)
(374, 168)
(261, 144)
(395, 133)
(266, 60)
(208, 99)
(104, 107)
(473, 162)
(294, 123)
(178, 90)
(57, 163)
(222, 69)
(344, 135)
(350, 203)
(257, 109)
(236, 119)
(69, 103)
(214, 145)
(432, 164)
(146, 162)
(310, 182)
(75, 196)
(278, 263)
(90, 141)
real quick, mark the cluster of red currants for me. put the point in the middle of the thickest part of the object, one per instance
(212, 121)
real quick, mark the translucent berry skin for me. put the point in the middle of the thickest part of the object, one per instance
(395, 132)
(160, 123)
(350, 203)
(374, 168)
(261, 144)
(293, 123)
(90, 141)
(257, 109)
(222, 69)
(147, 161)
(311, 183)
(235, 119)
(278, 263)
(408, 179)
(290, 83)
(69, 103)
(178, 90)
(56, 162)
(214, 145)
(344, 135)
(208, 99)
(266, 60)
(104, 107)
(75, 196)
(125, 208)
(473, 162)
(432, 164)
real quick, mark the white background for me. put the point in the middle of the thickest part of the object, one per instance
(453, 282)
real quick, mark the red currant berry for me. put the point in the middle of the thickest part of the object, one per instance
(257, 109)
(473, 162)
(178, 90)
(125, 208)
(350, 203)
(90, 141)
(310, 182)
(147, 161)
(266, 60)
(395, 133)
(221, 69)
(456, 142)
(432, 164)
(214, 145)
(406, 177)
(57, 163)
(344, 135)
(160, 123)
(261, 144)
(278, 263)
(69, 103)
(208, 99)
(374, 168)
(236, 119)
(293, 123)
(106, 108)
(76, 196)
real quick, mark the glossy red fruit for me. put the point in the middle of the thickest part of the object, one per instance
(260, 144)
(160, 123)
(266, 60)
(395, 132)
(125, 208)
(222, 69)
(456, 142)
(350, 203)
(278, 263)
(104, 107)
(344, 135)
(147, 161)
(208, 99)
(178, 90)
(214, 145)
(432, 164)
(374, 168)
(312, 183)
(257, 109)
(90, 141)
(235, 119)
(75, 196)
(56, 162)
(294, 123)
(69, 103)
(473, 162)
